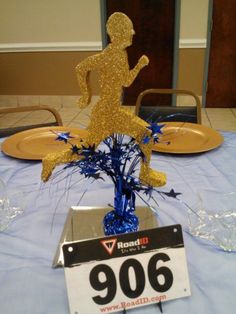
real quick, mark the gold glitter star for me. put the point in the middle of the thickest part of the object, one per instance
(108, 116)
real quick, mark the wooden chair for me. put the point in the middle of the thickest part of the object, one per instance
(12, 130)
(168, 113)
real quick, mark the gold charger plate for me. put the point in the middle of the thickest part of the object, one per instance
(34, 144)
(187, 138)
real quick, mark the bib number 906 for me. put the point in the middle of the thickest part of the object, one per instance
(102, 277)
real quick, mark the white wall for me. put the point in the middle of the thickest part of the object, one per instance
(49, 21)
(76, 25)
(193, 22)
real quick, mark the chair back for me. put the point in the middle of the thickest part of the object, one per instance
(168, 113)
(12, 130)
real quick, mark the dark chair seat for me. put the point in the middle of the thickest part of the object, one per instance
(168, 113)
(12, 130)
(177, 114)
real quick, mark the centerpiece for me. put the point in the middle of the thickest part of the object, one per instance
(128, 139)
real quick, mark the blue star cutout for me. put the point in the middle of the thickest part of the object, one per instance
(155, 128)
(63, 137)
(75, 149)
(172, 193)
(146, 140)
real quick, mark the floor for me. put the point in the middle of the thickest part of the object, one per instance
(217, 118)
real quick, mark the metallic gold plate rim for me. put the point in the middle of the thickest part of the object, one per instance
(11, 147)
(214, 138)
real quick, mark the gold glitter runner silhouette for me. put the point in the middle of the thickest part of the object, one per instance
(108, 116)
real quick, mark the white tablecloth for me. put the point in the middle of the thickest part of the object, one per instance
(28, 283)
